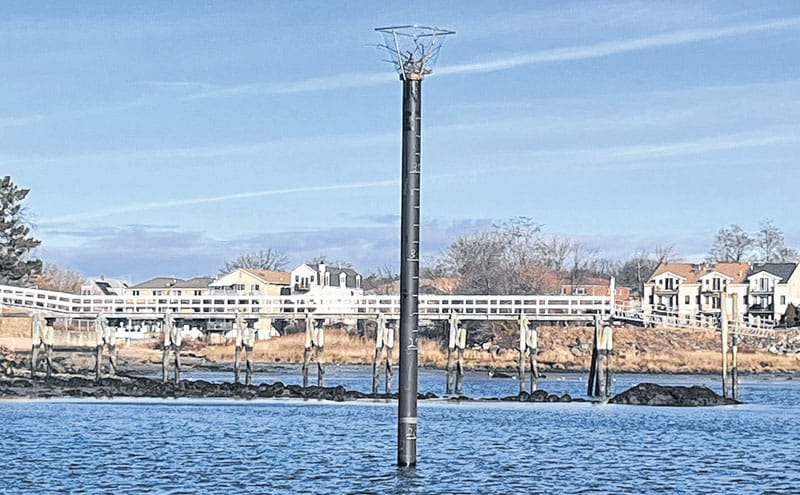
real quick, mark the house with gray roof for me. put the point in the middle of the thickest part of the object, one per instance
(103, 287)
(326, 280)
(771, 288)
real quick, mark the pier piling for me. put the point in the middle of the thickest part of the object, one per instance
(384, 342)
(528, 344)
(724, 341)
(314, 346)
(105, 336)
(172, 341)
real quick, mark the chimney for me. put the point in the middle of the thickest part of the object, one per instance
(321, 268)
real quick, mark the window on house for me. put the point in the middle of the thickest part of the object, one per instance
(716, 284)
(135, 293)
(650, 300)
(198, 293)
(783, 299)
(238, 286)
(668, 284)
(688, 298)
(158, 292)
(255, 287)
(764, 283)
(177, 293)
(715, 303)
(698, 300)
(580, 291)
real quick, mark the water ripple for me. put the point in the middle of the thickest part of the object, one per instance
(177, 447)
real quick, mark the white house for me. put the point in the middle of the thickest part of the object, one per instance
(771, 288)
(326, 280)
(249, 281)
(688, 290)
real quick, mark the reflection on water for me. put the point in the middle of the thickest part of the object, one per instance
(273, 446)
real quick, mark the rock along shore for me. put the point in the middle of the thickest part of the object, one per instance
(139, 387)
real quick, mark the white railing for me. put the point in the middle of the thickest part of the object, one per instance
(649, 318)
(215, 305)
(431, 307)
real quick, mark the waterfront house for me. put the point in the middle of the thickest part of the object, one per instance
(103, 287)
(249, 281)
(688, 290)
(322, 279)
(771, 288)
(171, 287)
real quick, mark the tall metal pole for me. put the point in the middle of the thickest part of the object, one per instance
(409, 271)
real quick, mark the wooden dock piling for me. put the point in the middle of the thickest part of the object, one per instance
(724, 341)
(384, 342)
(591, 386)
(452, 323)
(42, 337)
(456, 344)
(600, 372)
(314, 345)
(528, 347)
(105, 336)
(605, 349)
(172, 340)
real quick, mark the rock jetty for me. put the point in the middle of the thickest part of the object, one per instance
(651, 394)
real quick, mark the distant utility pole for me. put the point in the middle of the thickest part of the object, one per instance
(413, 51)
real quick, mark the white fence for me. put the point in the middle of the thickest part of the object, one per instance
(224, 306)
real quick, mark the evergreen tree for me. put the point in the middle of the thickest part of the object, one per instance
(17, 267)
(791, 316)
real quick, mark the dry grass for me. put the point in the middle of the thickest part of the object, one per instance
(15, 326)
(565, 348)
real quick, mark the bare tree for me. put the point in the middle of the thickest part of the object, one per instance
(383, 281)
(634, 271)
(54, 277)
(581, 260)
(316, 260)
(477, 262)
(731, 244)
(554, 252)
(264, 259)
(771, 245)
(503, 260)
(665, 253)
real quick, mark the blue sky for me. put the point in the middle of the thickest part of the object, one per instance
(162, 138)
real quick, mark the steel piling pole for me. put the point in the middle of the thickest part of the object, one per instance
(409, 271)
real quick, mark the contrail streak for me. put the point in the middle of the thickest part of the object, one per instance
(99, 213)
(619, 46)
(604, 49)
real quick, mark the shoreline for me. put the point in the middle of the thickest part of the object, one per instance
(137, 387)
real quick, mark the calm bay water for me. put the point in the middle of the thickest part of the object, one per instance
(278, 446)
